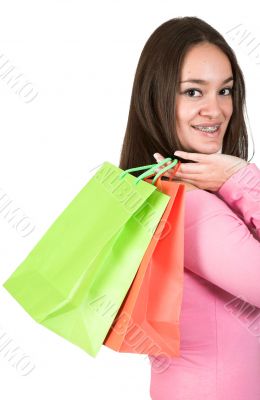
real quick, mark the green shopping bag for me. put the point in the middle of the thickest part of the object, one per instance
(76, 277)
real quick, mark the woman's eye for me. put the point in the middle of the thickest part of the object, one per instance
(230, 90)
(189, 91)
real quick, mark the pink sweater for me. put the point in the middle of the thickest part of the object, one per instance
(220, 316)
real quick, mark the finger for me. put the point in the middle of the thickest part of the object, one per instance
(199, 157)
(159, 158)
(187, 172)
(164, 173)
(195, 177)
(159, 169)
(191, 169)
(189, 181)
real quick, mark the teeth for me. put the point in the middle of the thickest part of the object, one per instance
(207, 128)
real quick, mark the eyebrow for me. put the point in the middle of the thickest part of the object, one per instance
(202, 82)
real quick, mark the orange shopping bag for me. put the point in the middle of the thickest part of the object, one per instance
(148, 319)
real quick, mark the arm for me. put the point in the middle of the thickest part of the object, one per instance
(219, 246)
(242, 193)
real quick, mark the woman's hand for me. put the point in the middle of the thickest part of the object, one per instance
(209, 171)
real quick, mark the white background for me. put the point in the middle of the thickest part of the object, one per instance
(81, 58)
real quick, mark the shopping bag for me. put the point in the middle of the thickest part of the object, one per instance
(87, 259)
(148, 320)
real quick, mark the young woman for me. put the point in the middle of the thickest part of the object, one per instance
(189, 95)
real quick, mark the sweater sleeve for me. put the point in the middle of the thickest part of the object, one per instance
(219, 247)
(242, 193)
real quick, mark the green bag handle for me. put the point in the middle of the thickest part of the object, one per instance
(162, 171)
(151, 170)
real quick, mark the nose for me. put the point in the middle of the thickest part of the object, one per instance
(211, 107)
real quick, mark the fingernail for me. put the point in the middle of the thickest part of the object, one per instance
(156, 155)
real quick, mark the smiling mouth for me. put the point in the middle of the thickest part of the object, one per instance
(207, 133)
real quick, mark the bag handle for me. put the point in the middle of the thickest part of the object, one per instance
(158, 175)
(145, 167)
(151, 170)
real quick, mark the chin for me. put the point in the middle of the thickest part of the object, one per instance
(209, 149)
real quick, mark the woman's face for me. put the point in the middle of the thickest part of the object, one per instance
(208, 102)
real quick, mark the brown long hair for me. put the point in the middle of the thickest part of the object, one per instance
(151, 120)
